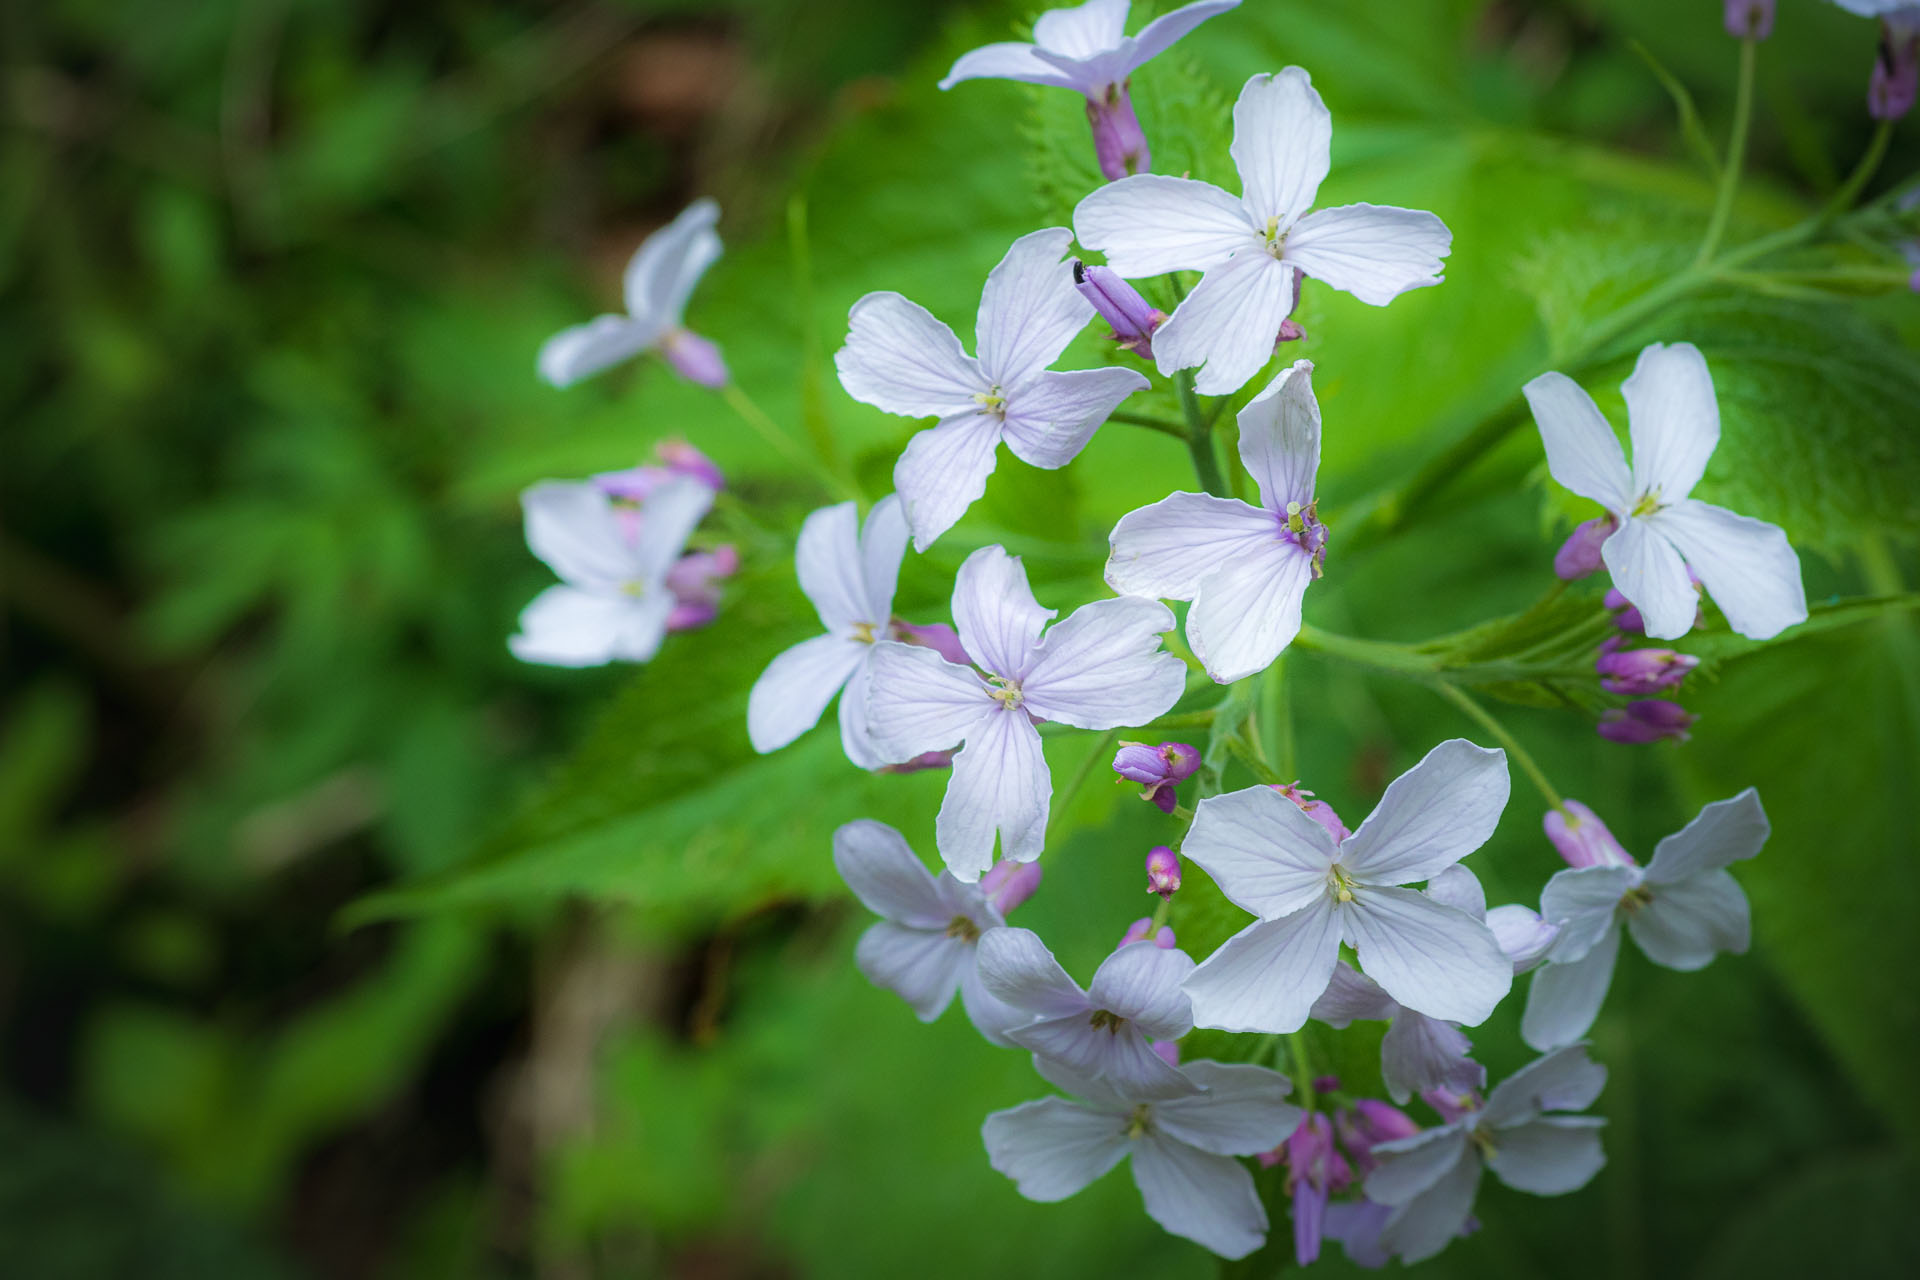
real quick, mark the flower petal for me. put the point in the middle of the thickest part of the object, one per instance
(1352, 997)
(1566, 995)
(1374, 252)
(1267, 977)
(1018, 969)
(1249, 610)
(1420, 1053)
(1723, 833)
(1747, 566)
(1433, 815)
(991, 1017)
(664, 269)
(567, 627)
(1029, 310)
(1206, 1198)
(1158, 36)
(826, 558)
(1102, 666)
(1459, 888)
(1648, 571)
(573, 528)
(856, 729)
(1050, 419)
(943, 471)
(790, 694)
(1409, 1166)
(1280, 438)
(1244, 1110)
(899, 358)
(1584, 901)
(667, 519)
(1549, 1156)
(1120, 1056)
(918, 701)
(1141, 983)
(1150, 224)
(1564, 1080)
(1008, 61)
(1690, 922)
(585, 349)
(995, 613)
(1435, 959)
(1266, 855)
(1165, 549)
(1053, 1148)
(883, 545)
(1282, 145)
(921, 966)
(881, 869)
(1083, 30)
(1229, 324)
(1524, 935)
(1582, 452)
(1000, 783)
(1428, 1223)
(1673, 420)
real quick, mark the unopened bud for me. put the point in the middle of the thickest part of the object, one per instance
(1121, 305)
(1896, 71)
(1524, 935)
(1625, 616)
(682, 459)
(1368, 1123)
(1750, 19)
(1647, 721)
(1582, 839)
(1119, 144)
(1163, 871)
(1142, 930)
(1159, 769)
(937, 636)
(1319, 810)
(1642, 671)
(695, 358)
(925, 760)
(1008, 884)
(1579, 555)
(695, 581)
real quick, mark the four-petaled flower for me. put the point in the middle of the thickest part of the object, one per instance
(1104, 1030)
(1683, 908)
(1182, 1148)
(849, 574)
(1429, 1180)
(1311, 894)
(658, 282)
(614, 599)
(899, 358)
(1245, 568)
(1250, 247)
(1745, 564)
(1101, 667)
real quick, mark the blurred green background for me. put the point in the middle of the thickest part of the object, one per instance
(333, 942)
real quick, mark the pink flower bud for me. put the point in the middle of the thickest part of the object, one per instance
(1159, 769)
(937, 636)
(1366, 1124)
(1582, 839)
(1163, 871)
(1750, 19)
(1319, 810)
(682, 459)
(695, 358)
(1647, 721)
(1121, 306)
(1451, 1105)
(1625, 616)
(1896, 72)
(925, 760)
(1641, 671)
(1008, 884)
(1579, 555)
(1141, 929)
(1119, 144)
(695, 581)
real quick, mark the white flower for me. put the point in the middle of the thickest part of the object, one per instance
(1083, 48)
(1417, 1053)
(1100, 668)
(1102, 1032)
(1245, 568)
(1746, 564)
(1683, 908)
(614, 598)
(1430, 1179)
(926, 946)
(1272, 859)
(1251, 246)
(658, 282)
(900, 359)
(1182, 1148)
(849, 575)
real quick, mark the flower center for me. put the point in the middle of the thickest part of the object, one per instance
(1107, 1021)
(1635, 898)
(635, 589)
(1304, 528)
(1137, 1123)
(863, 632)
(1648, 504)
(992, 402)
(1005, 691)
(1275, 237)
(1339, 884)
(964, 929)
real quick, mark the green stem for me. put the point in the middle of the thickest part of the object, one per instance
(1379, 654)
(1151, 423)
(1206, 464)
(1736, 155)
(1486, 721)
(1862, 174)
(769, 430)
(1062, 801)
(1302, 1068)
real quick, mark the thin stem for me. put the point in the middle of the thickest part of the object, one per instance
(1486, 721)
(1379, 654)
(1151, 423)
(1736, 155)
(1862, 174)
(1206, 465)
(769, 430)
(1302, 1068)
(1161, 914)
(1062, 801)
(1277, 710)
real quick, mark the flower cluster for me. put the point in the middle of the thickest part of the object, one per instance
(1382, 922)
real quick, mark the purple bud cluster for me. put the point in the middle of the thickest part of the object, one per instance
(1638, 673)
(1159, 769)
(1327, 1153)
(696, 576)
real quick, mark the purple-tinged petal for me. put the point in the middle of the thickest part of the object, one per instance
(1008, 61)
(1564, 1080)
(1352, 997)
(1690, 922)
(1159, 35)
(1428, 1223)
(1243, 1111)
(1280, 439)
(1017, 969)
(1524, 935)
(828, 563)
(1431, 958)
(918, 701)
(1029, 310)
(1000, 784)
(1566, 995)
(1282, 145)
(1374, 252)
(1206, 1198)
(1148, 225)
(1460, 889)
(922, 967)
(663, 271)
(585, 349)
(1746, 565)
(943, 471)
(1248, 610)
(1167, 549)
(1102, 666)
(1433, 815)
(790, 694)
(998, 619)
(1142, 984)
(567, 627)
(899, 358)
(1723, 833)
(1672, 419)
(1583, 454)
(1420, 1053)
(881, 869)
(1412, 1165)
(1229, 324)
(883, 545)
(576, 532)
(1266, 977)
(1051, 418)
(1584, 902)
(1053, 1148)
(1649, 571)
(1264, 853)
(1549, 1156)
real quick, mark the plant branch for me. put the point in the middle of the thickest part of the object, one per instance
(1736, 155)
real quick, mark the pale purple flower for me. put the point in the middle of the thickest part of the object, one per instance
(676, 458)
(1746, 564)
(1120, 305)
(1319, 810)
(1008, 884)
(1429, 1180)
(1626, 617)
(926, 946)
(1642, 671)
(1246, 568)
(1895, 82)
(1163, 871)
(1582, 839)
(1315, 1171)
(1310, 894)
(613, 602)
(658, 282)
(1159, 769)
(1649, 720)
(1103, 1031)
(1251, 247)
(1100, 668)
(695, 582)
(1749, 19)
(1086, 49)
(1142, 930)
(849, 574)
(1183, 1148)
(1417, 1052)
(1683, 908)
(1579, 555)
(899, 358)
